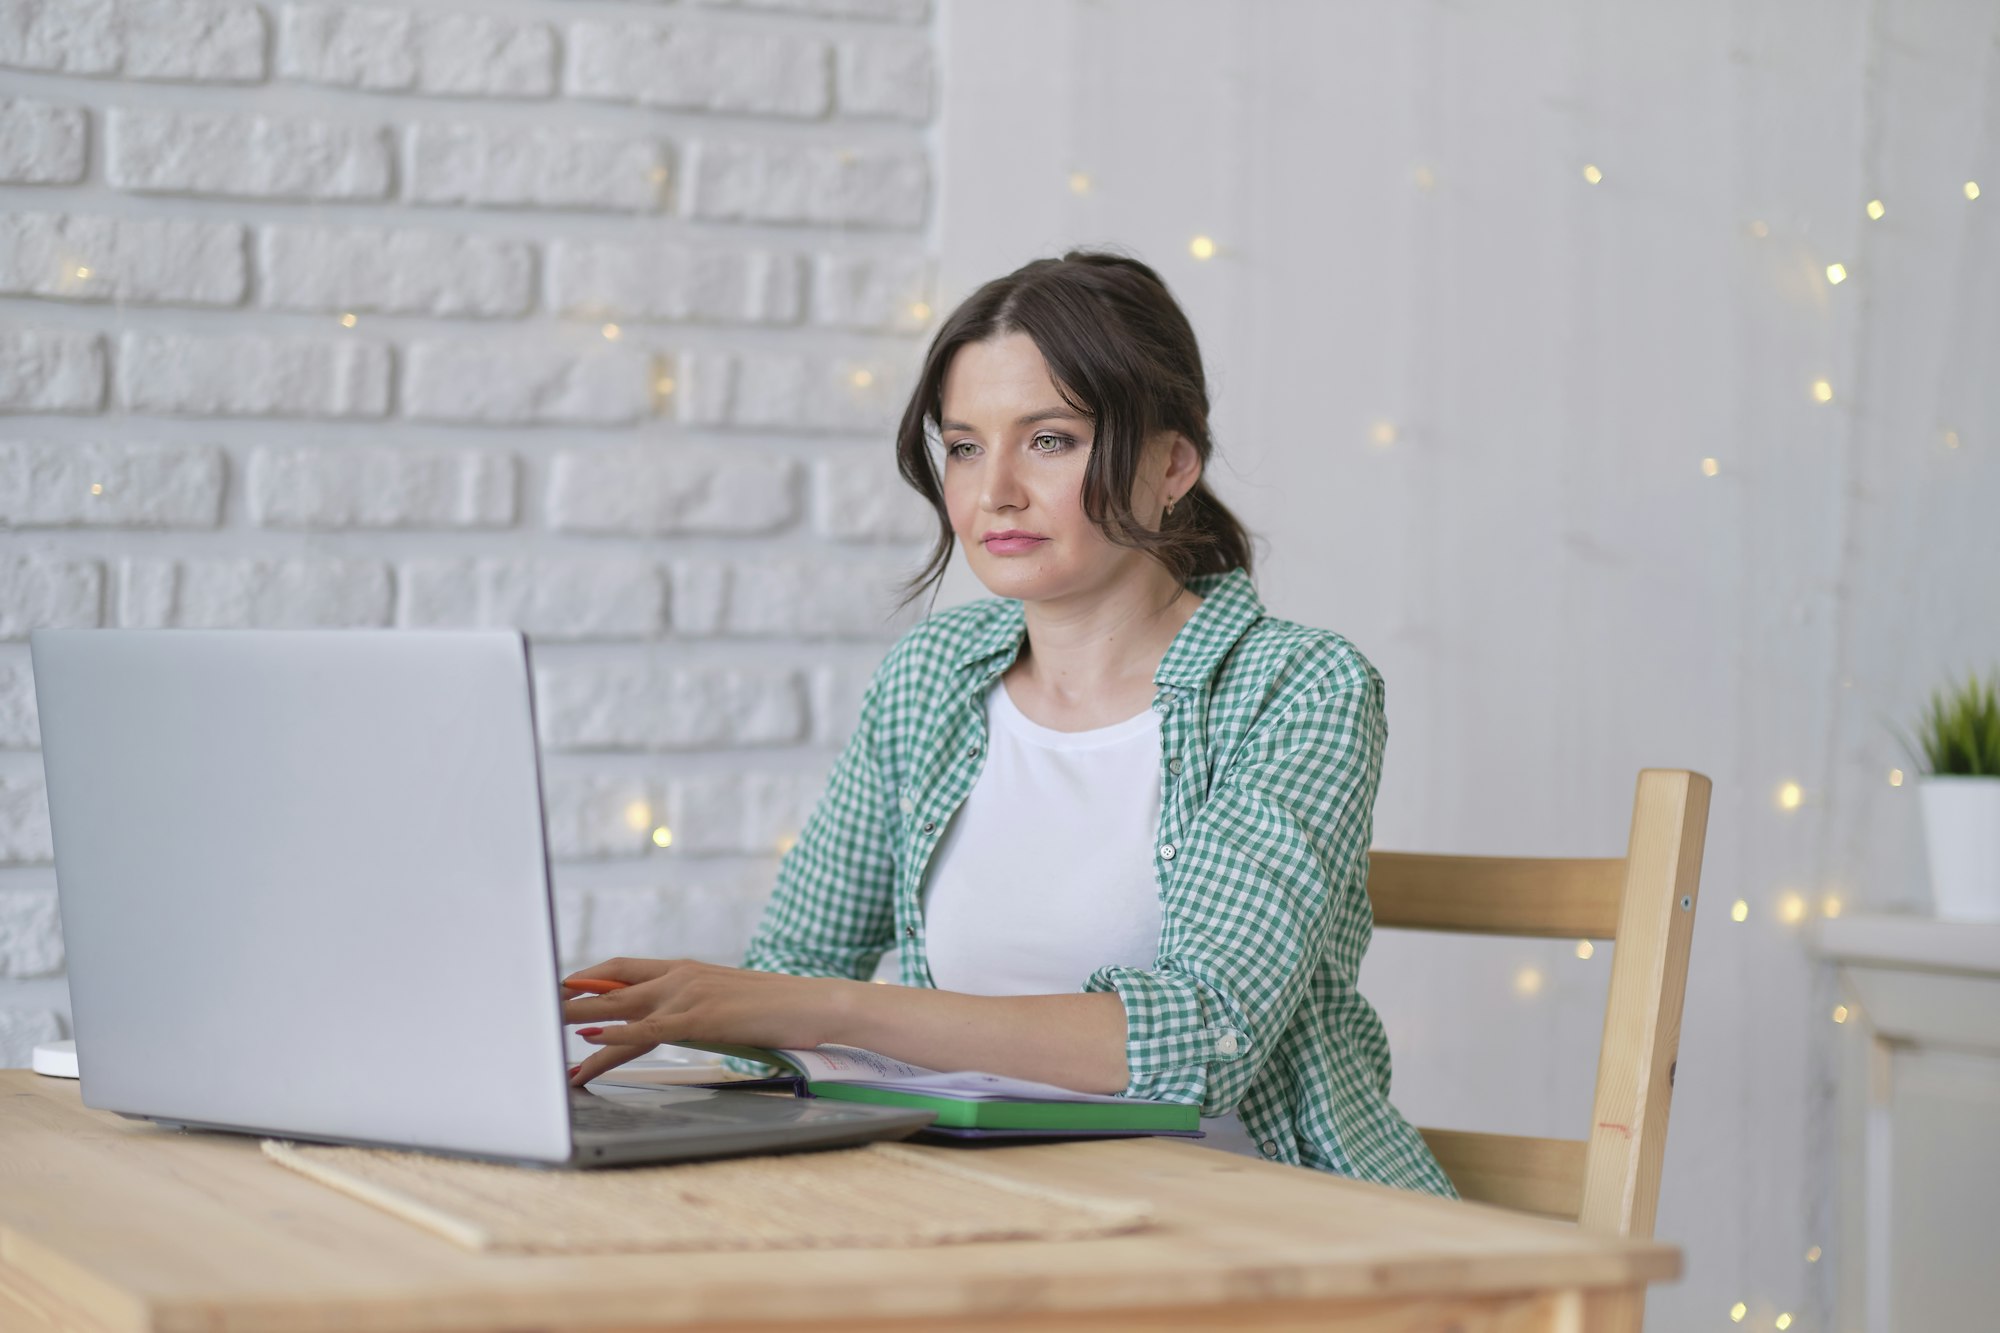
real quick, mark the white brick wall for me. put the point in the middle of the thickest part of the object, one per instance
(251, 156)
(40, 143)
(396, 49)
(43, 370)
(592, 320)
(165, 261)
(394, 270)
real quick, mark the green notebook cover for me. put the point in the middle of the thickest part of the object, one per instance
(986, 1112)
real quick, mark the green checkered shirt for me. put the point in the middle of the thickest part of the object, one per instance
(1271, 749)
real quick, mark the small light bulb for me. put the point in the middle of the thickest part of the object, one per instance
(1739, 910)
(638, 814)
(1812, 1255)
(611, 332)
(1784, 1322)
(1423, 178)
(1079, 183)
(920, 311)
(1972, 189)
(1836, 273)
(1790, 796)
(1951, 439)
(1792, 908)
(1823, 390)
(1737, 1311)
(1591, 173)
(663, 836)
(863, 378)
(1709, 467)
(1895, 777)
(348, 320)
(1840, 1013)
(82, 271)
(1760, 229)
(664, 385)
(1831, 907)
(1528, 981)
(1875, 209)
(1383, 433)
(1584, 948)
(786, 843)
(658, 174)
(97, 488)
(1202, 247)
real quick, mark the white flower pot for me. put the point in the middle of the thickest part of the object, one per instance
(1962, 837)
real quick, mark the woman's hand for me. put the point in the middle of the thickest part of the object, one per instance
(678, 999)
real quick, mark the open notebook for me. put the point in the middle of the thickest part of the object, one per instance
(965, 1100)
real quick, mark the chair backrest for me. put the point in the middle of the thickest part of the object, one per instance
(1644, 903)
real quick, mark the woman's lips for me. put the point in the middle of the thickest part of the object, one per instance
(1008, 545)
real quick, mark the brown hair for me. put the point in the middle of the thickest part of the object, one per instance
(1124, 357)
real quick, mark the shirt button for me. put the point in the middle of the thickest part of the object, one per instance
(1173, 765)
(908, 805)
(1270, 1148)
(1226, 1043)
(1167, 852)
(928, 826)
(910, 932)
(971, 751)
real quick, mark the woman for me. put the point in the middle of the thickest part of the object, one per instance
(1114, 819)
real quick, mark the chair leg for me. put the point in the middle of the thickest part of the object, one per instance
(1608, 1310)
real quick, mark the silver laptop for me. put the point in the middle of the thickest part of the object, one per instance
(304, 887)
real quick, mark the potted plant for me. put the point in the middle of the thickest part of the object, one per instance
(1959, 734)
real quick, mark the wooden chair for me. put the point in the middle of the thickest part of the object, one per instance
(1643, 901)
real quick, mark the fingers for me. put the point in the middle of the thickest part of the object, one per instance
(605, 1008)
(602, 1062)
(660, 980)
(642, 1032)
(631, 970)
(588, 1006)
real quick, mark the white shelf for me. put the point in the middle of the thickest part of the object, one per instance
(1912, 941)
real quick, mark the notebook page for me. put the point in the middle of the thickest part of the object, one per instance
(989, 1087)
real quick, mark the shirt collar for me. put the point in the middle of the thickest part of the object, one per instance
(1229, 607)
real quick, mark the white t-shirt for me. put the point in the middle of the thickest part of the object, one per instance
(1045, 872)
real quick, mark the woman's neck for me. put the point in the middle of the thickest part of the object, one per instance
(1080, 653)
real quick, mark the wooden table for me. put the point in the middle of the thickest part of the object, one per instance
(115, 1224)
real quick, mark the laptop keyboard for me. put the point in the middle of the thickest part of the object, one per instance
(599, 1113)
(591, 1112)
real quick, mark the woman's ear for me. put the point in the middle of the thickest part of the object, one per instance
(1183, 466)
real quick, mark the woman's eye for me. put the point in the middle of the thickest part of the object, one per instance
(1058, 444)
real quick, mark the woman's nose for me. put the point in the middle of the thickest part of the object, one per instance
(1000, 482)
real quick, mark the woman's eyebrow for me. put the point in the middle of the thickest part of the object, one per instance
(1044, 414)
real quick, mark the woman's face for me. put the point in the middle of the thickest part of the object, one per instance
(1014, 458)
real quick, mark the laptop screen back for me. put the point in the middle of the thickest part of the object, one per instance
(303, 882)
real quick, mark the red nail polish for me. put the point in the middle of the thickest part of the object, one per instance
(589, 1032)
(573, 1069)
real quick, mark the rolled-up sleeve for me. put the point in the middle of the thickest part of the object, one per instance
(832, 912)
(1270, 874)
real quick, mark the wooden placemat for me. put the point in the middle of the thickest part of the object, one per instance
(881, 1194)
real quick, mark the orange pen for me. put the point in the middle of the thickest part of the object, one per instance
(595, 985)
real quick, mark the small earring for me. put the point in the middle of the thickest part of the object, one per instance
(1170, 505)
